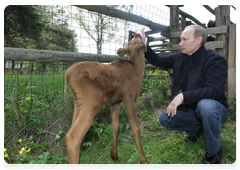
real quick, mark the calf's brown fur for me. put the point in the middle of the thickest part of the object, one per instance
(93, 84)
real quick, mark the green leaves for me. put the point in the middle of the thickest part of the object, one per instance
(59, 135)
(42, 146)
(38, 120)
(43, 158)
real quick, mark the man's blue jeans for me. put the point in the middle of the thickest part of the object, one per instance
(209, 113)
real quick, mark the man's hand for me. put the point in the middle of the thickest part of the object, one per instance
(143, 36)
(172, 107)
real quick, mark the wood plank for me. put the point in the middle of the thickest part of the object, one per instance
(217, 30)
(169, 82)
(158, 45)
(231, 83)
(169, 92)
(170, 71)
(212, 44)
(232, 63)
(232, 46)
(214, 30)
(151, 32)
(223, 19)
(20, 54)
(183, 23)
(236, 69)
(173, 47)
(55, 56)
(151, 39)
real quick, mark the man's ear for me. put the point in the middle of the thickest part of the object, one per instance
(122, 51)
(200, 39)
(142, 48)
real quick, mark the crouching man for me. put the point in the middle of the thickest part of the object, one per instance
(198, 101)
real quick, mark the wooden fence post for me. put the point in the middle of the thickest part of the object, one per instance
(174, 26)
(223, 19)
(232, 63)
(183, 23)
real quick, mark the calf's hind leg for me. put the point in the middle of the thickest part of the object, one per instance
(131, 113)
(78, 130)
(115, 127)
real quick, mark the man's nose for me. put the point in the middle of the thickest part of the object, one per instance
(180, 43)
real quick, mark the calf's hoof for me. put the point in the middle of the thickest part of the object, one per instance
(115, 158)
(145, 164)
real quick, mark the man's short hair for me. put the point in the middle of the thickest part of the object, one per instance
(199, 31)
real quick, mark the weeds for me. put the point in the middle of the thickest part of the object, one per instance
(24, 150)
(232, 106)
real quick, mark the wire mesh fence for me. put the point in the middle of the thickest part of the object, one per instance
(34, 92)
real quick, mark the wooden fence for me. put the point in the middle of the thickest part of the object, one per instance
(44, 55)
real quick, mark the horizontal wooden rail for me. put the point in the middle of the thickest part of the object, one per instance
(109, 11)
(212, 44)
(55, 56)
(215, 30)
(20, 54)
(151, 39)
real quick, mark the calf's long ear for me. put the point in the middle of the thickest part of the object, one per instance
(122, 51)
(142, 47)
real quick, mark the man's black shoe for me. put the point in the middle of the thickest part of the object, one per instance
(195, 138)
(213, 159)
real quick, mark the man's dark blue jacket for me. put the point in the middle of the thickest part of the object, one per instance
(200, 76)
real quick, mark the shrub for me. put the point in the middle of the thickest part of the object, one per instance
(153, 99)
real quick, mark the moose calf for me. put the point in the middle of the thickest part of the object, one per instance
(93, 84)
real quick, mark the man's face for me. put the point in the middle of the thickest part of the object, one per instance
(188, 43)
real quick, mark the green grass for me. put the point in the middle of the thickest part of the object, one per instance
(33, 94)
(161, 146)
(32, 103)
(36, 112)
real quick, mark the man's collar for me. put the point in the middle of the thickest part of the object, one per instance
(199, 51)
(196, 54)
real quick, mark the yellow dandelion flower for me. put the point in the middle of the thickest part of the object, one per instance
(28, 150)
(6, 155)
(20, 152)
(5, 149)
(22, 149)
(20, 140)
